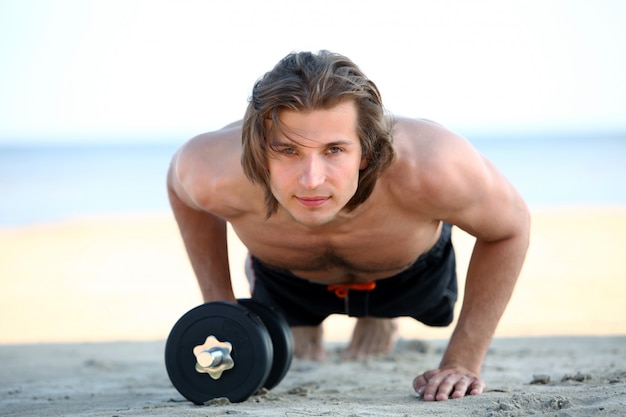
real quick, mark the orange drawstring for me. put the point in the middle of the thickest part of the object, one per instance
(341, 290)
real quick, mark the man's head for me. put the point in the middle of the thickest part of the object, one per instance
(304, 82)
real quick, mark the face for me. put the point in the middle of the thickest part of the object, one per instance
(315, 162)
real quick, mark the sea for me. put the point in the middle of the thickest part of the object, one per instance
(49, 183)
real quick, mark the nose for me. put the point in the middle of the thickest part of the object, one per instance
(313, 173)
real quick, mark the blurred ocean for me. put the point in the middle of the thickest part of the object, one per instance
(49, 183)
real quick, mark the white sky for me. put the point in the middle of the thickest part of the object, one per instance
(94, 70)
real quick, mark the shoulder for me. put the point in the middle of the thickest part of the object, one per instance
(206, 172)
(440, 175)
(209, 153)
(424, 139)
(435, 169)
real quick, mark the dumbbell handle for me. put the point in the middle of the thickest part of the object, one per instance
(213, 357)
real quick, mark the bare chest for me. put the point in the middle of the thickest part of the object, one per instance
(364, 252)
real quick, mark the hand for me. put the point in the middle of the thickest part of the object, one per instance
(441, 384)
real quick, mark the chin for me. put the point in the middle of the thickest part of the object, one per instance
(313, 222)
(313, 219)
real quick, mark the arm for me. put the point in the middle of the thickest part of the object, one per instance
(204, 236)
(477, 198)
(491, 278)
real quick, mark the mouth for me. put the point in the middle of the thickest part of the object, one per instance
(312, 201)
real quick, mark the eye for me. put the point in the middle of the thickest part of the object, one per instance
(284, 150)
(287, 151)
(334, 150)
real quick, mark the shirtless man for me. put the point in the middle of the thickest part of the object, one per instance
(347, 210)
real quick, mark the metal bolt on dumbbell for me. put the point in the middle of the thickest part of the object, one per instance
(213, 357)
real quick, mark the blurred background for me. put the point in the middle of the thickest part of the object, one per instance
(96, 96)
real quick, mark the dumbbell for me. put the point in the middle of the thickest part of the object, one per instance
(232, 350)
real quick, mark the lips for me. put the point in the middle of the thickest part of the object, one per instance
(312, 201)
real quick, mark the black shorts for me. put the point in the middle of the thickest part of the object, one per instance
(426, 291)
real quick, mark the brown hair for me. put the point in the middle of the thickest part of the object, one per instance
(307, 81)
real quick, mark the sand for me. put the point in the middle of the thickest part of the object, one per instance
(587, 378)
(86, 304)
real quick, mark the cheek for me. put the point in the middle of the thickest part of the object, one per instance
(280, 179)
(280, 173)
(350, 178)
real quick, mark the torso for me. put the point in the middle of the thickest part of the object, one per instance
(379, 239)
(374, 245)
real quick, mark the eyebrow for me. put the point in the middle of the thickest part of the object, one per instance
(280, 143)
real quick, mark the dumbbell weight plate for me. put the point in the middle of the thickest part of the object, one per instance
(252, 352)
(282, 340)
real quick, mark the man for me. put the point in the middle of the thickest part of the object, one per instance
(345, 209)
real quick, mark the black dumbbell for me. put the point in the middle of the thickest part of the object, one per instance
(231, 350)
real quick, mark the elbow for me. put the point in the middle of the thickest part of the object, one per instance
(522, 224)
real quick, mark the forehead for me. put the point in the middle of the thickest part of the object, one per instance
(320, 125)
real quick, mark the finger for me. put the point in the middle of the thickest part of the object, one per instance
(433, 372)
(438, 385)
(419, 384)
(476, 387)
(431, 389)
(460, 388)
(450, 385)
(468, 386)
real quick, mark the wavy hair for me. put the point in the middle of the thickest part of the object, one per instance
(308, 81)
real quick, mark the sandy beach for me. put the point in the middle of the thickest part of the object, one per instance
(86, 305)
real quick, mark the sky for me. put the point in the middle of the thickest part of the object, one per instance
(161, 70)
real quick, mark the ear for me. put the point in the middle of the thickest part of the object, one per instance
(364, 164)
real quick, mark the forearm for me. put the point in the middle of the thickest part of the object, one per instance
(491, 278)
(204, 236)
